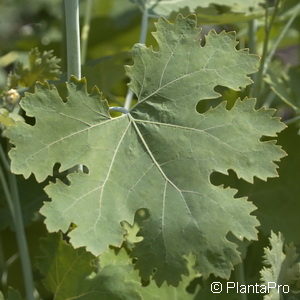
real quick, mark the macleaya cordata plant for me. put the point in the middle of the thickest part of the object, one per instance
(135, 212)
(149, 144)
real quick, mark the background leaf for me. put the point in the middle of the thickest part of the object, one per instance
(281, 267)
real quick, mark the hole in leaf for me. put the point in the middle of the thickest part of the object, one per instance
(230, 180)
(29, 120)
(85, 169)
(60, 175)
(141, 215)
(204, 105)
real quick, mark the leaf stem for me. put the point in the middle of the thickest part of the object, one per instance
(269, 100)
(256, 89)
(13, 202)
(280, 37)
(292, 120)
(123, 110)
(142, 40)
(73, 38)
(86, 29)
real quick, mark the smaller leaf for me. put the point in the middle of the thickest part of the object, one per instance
(280, 266)
(41, 67)
(71, 273)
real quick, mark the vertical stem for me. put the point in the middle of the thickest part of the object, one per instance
(14, 205)
(144, 29)
(2, 265)
(142, 40)
(86, 29)
(73, 38)
(63, 44)
(239, 274)
(281, 36)
(252, 28)
(256, 89)
(269, 99)
(21, 238)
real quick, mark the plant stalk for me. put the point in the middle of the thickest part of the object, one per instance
(252, 28)
(14, 206)
(256, 88)
(293, 120)
(142, 40)
(21, 237)
(86, 29)
(281, 36)
(73, 38)
(239, 274)
(2, 265)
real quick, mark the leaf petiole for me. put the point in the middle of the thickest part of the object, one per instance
(142, 40)
(123, 110)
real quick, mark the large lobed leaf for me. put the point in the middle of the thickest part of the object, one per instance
(158, 157)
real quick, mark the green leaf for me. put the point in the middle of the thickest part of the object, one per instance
(281, 267)
(158, 157)
(41, 67)
(69, 273)
(166, 7)
(277, 199)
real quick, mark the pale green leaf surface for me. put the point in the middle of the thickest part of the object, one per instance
(166, 7)
(277, 199)
(183, 72)
(281, 266)
(158, 157)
